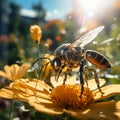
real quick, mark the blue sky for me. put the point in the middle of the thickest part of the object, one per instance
(59, 8)
(55, 8)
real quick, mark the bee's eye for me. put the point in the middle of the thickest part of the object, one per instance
(56, 63)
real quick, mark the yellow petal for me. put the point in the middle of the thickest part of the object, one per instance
(18, 95)
(27, 90)
(6, 93)
(98, 111)
(14, 70)
(92, 84)
(109, 90)
(48, 108)
(2, 74)
(37, 99)
(70, 80)
(37, 84)
(8, 72)
(23, 70)
(41, 95)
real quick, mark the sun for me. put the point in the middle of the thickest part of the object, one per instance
(91, 7)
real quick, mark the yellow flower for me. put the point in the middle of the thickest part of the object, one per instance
(66, 98)
(14, 71)
(36, 32)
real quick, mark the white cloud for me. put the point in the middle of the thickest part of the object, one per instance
(27, 12)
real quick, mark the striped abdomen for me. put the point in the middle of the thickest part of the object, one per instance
(97, 59)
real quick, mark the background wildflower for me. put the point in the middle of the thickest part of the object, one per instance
(15, 71)
(36, 32)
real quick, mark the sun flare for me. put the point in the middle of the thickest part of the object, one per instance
(92, 7)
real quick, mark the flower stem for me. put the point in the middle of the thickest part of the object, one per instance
(11, 109)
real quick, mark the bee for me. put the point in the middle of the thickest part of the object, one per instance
(73, 55)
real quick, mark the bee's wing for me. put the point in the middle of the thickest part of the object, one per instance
(61, 47)
(86, 38)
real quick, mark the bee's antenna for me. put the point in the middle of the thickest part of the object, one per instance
(39, 59)
(44, 65)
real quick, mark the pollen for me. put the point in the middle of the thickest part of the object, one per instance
(68, 97)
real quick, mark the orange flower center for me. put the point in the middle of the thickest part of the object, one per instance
(68, 96)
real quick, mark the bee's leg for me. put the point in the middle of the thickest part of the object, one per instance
(85, 75)
(96, 79)
(59, 72)
(81, 77)
(65, 78)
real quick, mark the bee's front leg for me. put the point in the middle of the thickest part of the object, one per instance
(65, 78)
(58, 72)
(68, 72)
